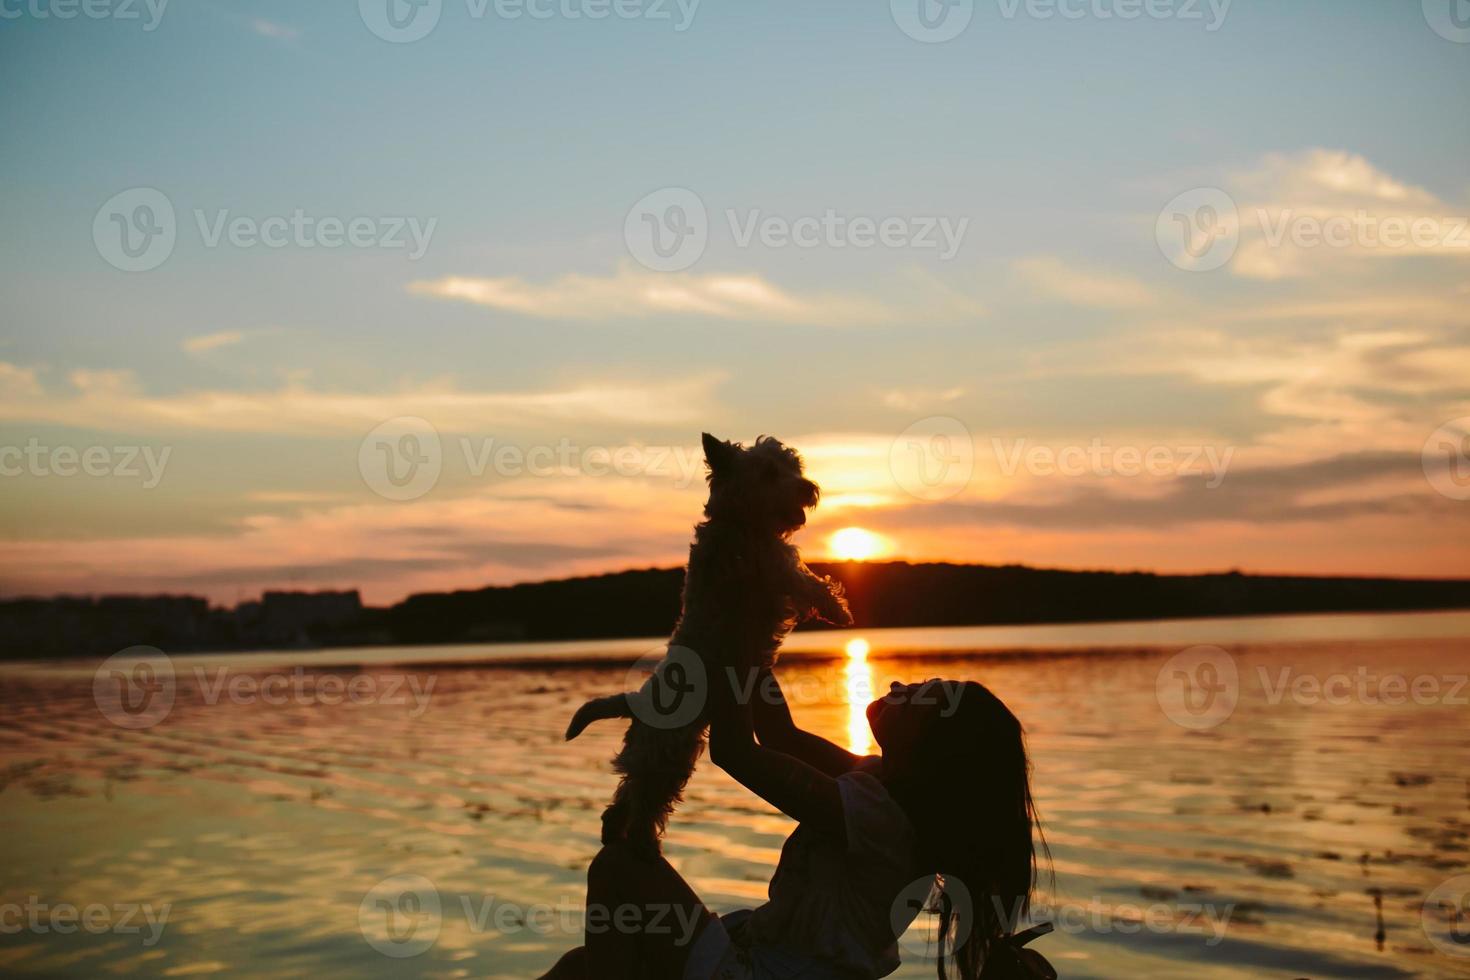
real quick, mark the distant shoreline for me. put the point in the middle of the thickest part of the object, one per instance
(894, 645)
(645, 603)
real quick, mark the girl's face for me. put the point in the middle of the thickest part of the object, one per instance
(901, 717)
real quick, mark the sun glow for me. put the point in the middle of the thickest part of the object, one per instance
(856, 544)
(859, 676)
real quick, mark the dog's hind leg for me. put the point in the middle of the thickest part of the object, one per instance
(598, 709)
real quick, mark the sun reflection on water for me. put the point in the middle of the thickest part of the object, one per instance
(859, 675)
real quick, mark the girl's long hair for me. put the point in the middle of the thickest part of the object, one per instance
(968, 791)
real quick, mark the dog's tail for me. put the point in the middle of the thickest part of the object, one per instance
(599, 709)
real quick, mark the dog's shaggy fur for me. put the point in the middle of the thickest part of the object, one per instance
(745, 588)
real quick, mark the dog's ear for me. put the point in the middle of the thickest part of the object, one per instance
(717, 454)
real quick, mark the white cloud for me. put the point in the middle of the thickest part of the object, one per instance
(633, 294)
(1304, 213)
(113, 401)
(18, 384)
(920, 399)
(212, 341)
(1081, 287)
(273, 30)
(1320, 395)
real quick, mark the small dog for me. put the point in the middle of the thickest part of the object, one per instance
(745, 588)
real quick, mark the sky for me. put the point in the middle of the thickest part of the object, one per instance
(410, 297)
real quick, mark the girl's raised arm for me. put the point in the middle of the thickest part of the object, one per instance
(776, 729)
(786, 782)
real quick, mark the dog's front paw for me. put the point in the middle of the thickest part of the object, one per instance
(833, 609)
(838, 615)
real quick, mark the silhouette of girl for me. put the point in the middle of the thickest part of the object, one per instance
(947, 803)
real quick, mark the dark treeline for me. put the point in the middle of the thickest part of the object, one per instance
(646, 602)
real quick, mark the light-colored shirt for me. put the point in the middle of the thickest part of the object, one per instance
(836, 901)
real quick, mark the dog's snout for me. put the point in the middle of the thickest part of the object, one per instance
(810, 493)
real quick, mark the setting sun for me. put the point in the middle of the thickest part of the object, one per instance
(856, 544)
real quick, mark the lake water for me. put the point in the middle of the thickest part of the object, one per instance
(1240, 812)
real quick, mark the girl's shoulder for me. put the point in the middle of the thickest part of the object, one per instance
(875, 822)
